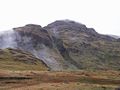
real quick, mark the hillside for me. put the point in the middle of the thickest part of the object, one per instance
(66, 45)
(64, 55)
(84, 47)
(68, 80)
(17, 60)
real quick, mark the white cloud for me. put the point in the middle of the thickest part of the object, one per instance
(103, 15)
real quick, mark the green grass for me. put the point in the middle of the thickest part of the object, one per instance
(12, 61)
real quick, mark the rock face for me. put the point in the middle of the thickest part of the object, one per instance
(68, 45)
(84, 47)
(35, 39)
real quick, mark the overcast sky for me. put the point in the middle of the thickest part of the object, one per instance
(103, 15)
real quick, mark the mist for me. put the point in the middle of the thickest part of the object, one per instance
(12, 39)
(8, 39)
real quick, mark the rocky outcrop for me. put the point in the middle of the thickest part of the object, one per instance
(35, 39)
(35, 33)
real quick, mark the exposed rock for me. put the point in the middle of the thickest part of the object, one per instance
(34, 39)
(35, 33)
(86, 48)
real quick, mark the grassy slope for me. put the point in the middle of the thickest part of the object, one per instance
(11, 59)
(47, 80)
(96, 54)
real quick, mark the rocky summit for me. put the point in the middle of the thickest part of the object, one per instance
(66, 45)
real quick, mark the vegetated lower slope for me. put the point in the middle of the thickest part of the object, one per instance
(68, 80)
(14, 59)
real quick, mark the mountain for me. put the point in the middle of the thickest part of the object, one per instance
(84, 47)
(115, 36)
(15, 59)
(65, 45)
(37, 40)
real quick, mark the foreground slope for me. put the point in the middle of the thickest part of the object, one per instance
(46, 80)
(14, 59)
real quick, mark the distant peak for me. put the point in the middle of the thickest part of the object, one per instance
(70, 21)
(66, 21)
(33, 25)
(69, 25)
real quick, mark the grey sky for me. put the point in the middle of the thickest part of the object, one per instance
(103, 15)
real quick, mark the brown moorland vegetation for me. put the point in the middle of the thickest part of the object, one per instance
(65, 80)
